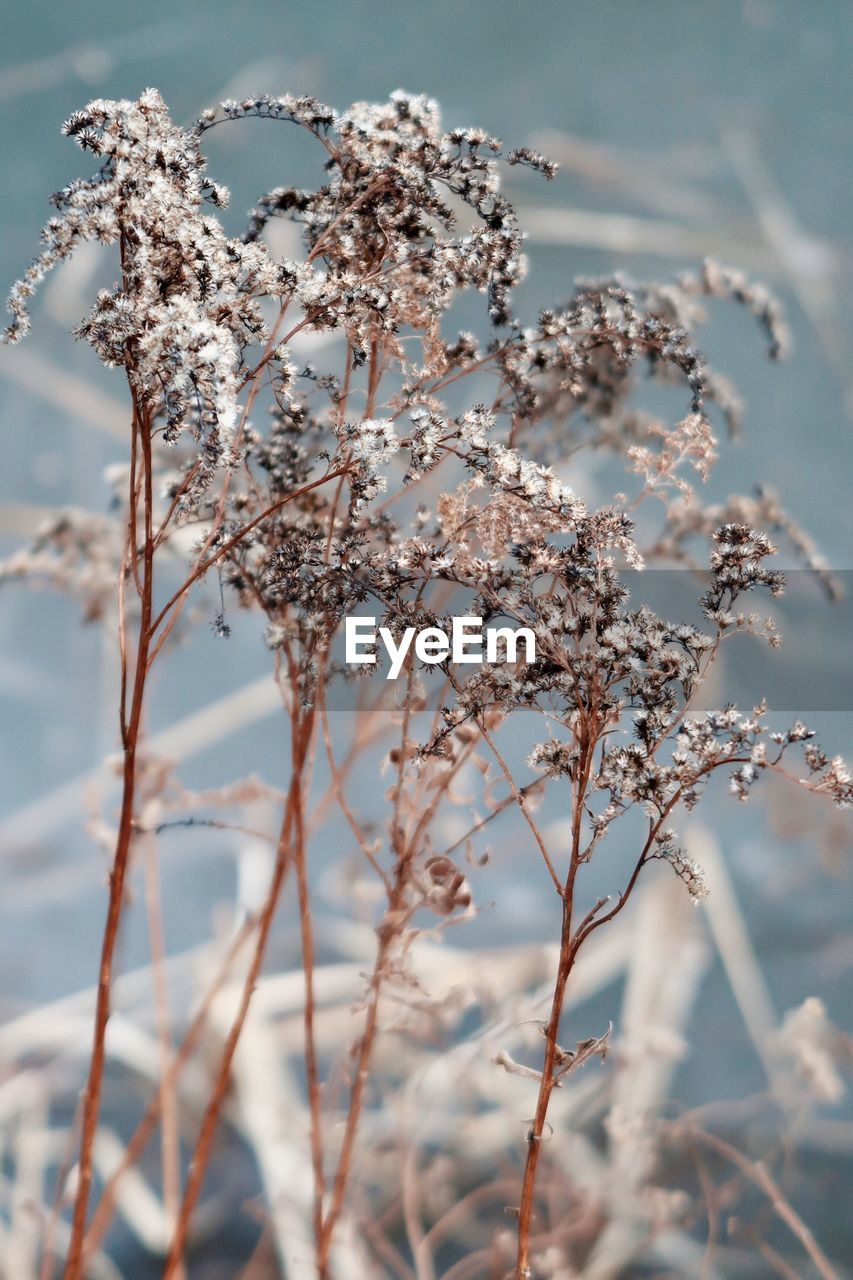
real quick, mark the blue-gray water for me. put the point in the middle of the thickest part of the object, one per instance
(731, 121)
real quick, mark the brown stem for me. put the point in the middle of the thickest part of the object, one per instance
(536, 1131)
(201, 1155)
(385, 935)
(170, 1140)
(302, 738)
(92, 1096)
(569, 946)
(145, 1129)
(49, 1250)
(756, 1172)
(237, 538)
(362, 1071)
(519, 797)
(571, 942)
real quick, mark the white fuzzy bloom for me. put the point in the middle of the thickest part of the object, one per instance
(804, 1044)
(374, 440)
(188, 300)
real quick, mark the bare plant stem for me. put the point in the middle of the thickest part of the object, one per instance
(571, 941)
(756, 1172)
(302, 737)
(145, 1129)
(170, 1140)
(49, 1250)
(569, 946)
(201, 1155)
(236, 539)
(398, 911)
(361, 1074)
(131, 725)
(536, 1132)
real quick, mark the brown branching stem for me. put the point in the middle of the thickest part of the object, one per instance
(758, 1174)
(302, 738)
(571, 941)
(145, 1129)
(131, 728)
(204, 1143)
(536, 1131)
(235, 540)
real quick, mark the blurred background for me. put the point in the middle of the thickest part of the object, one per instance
(681, 129)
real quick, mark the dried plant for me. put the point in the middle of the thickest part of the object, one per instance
(375, 486)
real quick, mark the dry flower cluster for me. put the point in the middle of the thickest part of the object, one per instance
(308, 495)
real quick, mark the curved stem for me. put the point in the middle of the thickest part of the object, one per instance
(201, 1155)
(302, 738)
(233, 541)
(130, 736)
(546, 1086)
(146, 1127)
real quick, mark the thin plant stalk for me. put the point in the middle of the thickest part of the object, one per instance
(131, 725)
(147, 1125)
(170, 1139)
(204, 1142)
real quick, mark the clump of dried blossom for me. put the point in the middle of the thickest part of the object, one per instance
(808, 1048)
(371, 484)
(188, 303)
